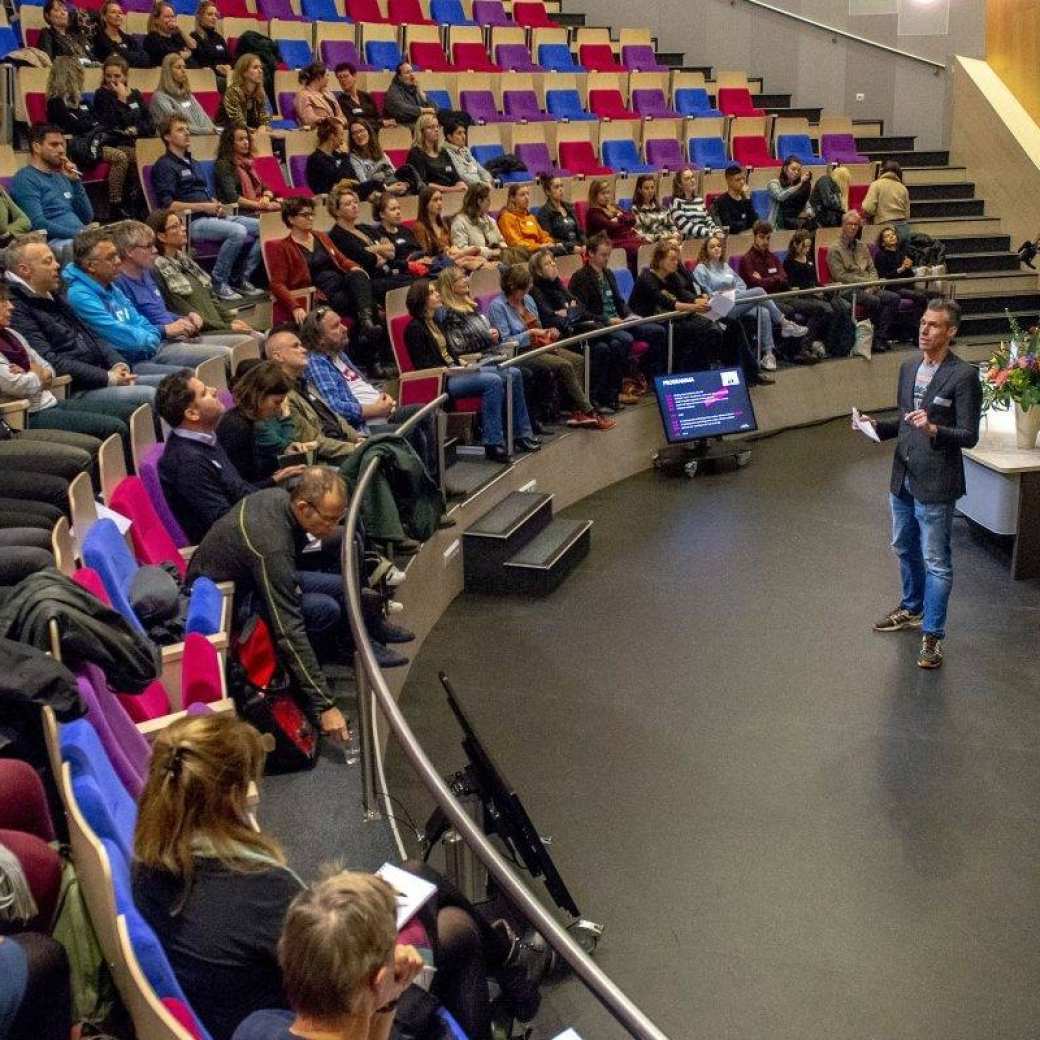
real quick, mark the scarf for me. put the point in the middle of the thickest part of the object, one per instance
(250, 184)
(441, 342)
(13, 350)
(178, 271)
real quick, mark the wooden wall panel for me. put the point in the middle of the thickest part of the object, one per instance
(1013, 48)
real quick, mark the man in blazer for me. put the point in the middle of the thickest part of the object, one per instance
(940, 400)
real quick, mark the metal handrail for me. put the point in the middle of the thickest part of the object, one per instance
(602, 987)
(938, 66)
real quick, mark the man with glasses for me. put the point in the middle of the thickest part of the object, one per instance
(256, 545)
(180, 186)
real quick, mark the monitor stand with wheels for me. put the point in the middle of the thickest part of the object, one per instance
(710, 455)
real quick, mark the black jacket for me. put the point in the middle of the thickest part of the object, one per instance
(551, 295)
(887, 262)
(121, 116)
(127, 47)
(826, 202)
(79, 121)
(564, 227)
(256, 546)
(423, 349)
(211, 49)
(585, 286)
(53, 330)
(932, 466)
(737, 215)
(324, 170)
(238, 438)
(87, 629)
(157, 46)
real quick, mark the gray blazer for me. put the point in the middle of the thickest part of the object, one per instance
(932, 466)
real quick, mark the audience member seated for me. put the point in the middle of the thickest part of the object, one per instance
(101, 377)
(165, 36)
(110, 38)
(887, 200)
(260, 390)
(830, 197)
(354, 102)
(200, 480)
(137, 250)
(334, 377)
(211, 49)
(68, 110)
(373, 253)
(387, 211)
(173, 97)
(235, 180)
(468, 169)
(180, 185)
(308, 257)
(713, 275)
(733, 211)
(186, 287)
(330, 163)
(653, 221)
(315, 103)
(688, 212)
(49, 189)
(519, 227)
(605, 215)
(353, 992)
(64, 36)
(849, 262)
(515, 315)
(472, 225)
(404, 102)
(430, 159)
(428, 348)
(245, 102)
(596, 289)
(26, 374)
(819, 312)
(13, 222)
(760, 268)
(559, 309)
(120, 109)
(369, 162)
(433, 233)
(557, 217)
(892, 261)
(789, 195)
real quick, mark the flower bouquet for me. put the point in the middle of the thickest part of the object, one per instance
(1012, 380)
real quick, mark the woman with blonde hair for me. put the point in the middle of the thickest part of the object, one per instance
(430, 159)
(110, 38)
(473, 227)
(165, 35)
(830, 197)
(216, 889)
(245, 102)
(68, 110)
(173, 97)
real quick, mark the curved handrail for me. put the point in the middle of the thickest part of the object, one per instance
(938, 66)
(606, 991)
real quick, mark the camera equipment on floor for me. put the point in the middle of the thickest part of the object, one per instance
(697, 410)
(502, 810)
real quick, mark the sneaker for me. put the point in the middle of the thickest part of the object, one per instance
(582, 419)
(625, 398)
(897, 620)
(603, 423)
(931, 655)
(389, 632)
(225, 292)
(818, 348)
(393, 606)
(249, 289)
(394, 576)
(769, 362)
(386, 657)
(792, 330)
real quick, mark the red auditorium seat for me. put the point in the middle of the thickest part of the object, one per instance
(471, 57)
(598, 57)
(421, 391)
(580, 157)
(365, 11)
(407, 12)
(736, 101)
(857, 193)
(429, 57)
(753, 151)
(532, 15)
(609, 104)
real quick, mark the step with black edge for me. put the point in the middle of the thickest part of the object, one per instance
(984, 303)
(549, 557)
(995, 323)
(961, 244)
(499, 534)
(948, 208)
(943, 190)
(909, 158)
(887, 143)
(965, 263)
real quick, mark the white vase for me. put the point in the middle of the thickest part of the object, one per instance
(1027, 426)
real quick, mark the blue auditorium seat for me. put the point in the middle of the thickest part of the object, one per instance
(693, 101)
(558, 57)
(484, 153)
(566, 104)
(798, 145)
(297, 54)
(622, 156)
(449, 12)
(322, 11)
(708, 153)
(383, 54)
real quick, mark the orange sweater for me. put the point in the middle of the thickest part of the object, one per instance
(523, 230)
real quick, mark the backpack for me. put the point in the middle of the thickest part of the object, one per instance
(263, 693)
(925, 251)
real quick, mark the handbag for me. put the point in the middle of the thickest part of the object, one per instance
(864, 341)
(263, 694)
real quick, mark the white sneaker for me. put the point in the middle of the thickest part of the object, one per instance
(225, 292)
(792, 330)
(769, 362)
(394, 577)
(818, 348)
(394, 607)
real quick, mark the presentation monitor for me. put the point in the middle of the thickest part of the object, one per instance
(698, 405)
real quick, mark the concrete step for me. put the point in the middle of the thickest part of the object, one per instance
(884, 143)
(937, 227)
(983, 303)
(934, 175)
(998, 284)
(965, 263)
(961, 244)
(948, 208)
(942, 190)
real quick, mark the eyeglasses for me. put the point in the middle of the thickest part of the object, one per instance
(333, 520)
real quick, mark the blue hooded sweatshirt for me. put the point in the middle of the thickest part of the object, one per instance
(111, 316)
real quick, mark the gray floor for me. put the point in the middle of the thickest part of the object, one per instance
(788, 829)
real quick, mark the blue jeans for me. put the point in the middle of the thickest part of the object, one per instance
(489, 383)
(323, 610)
(239, 239)
(767, 313)
(921, 539)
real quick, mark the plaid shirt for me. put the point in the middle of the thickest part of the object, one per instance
(334, 390)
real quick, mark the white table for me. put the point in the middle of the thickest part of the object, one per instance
(1003, 490)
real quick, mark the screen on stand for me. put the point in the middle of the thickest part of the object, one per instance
(698, 405)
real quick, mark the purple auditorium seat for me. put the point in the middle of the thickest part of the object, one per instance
(841, 148)
(665, 153)
(641, 58)
(127, 749)
(333, 52)
(480, 104)
(490, 12)
(535, 156)
(287, 104)
(652, 103)
(515, 57)
(298, 171)
(522, 106)
(148, 471)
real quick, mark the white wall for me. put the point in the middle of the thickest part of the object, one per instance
(815, 68)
